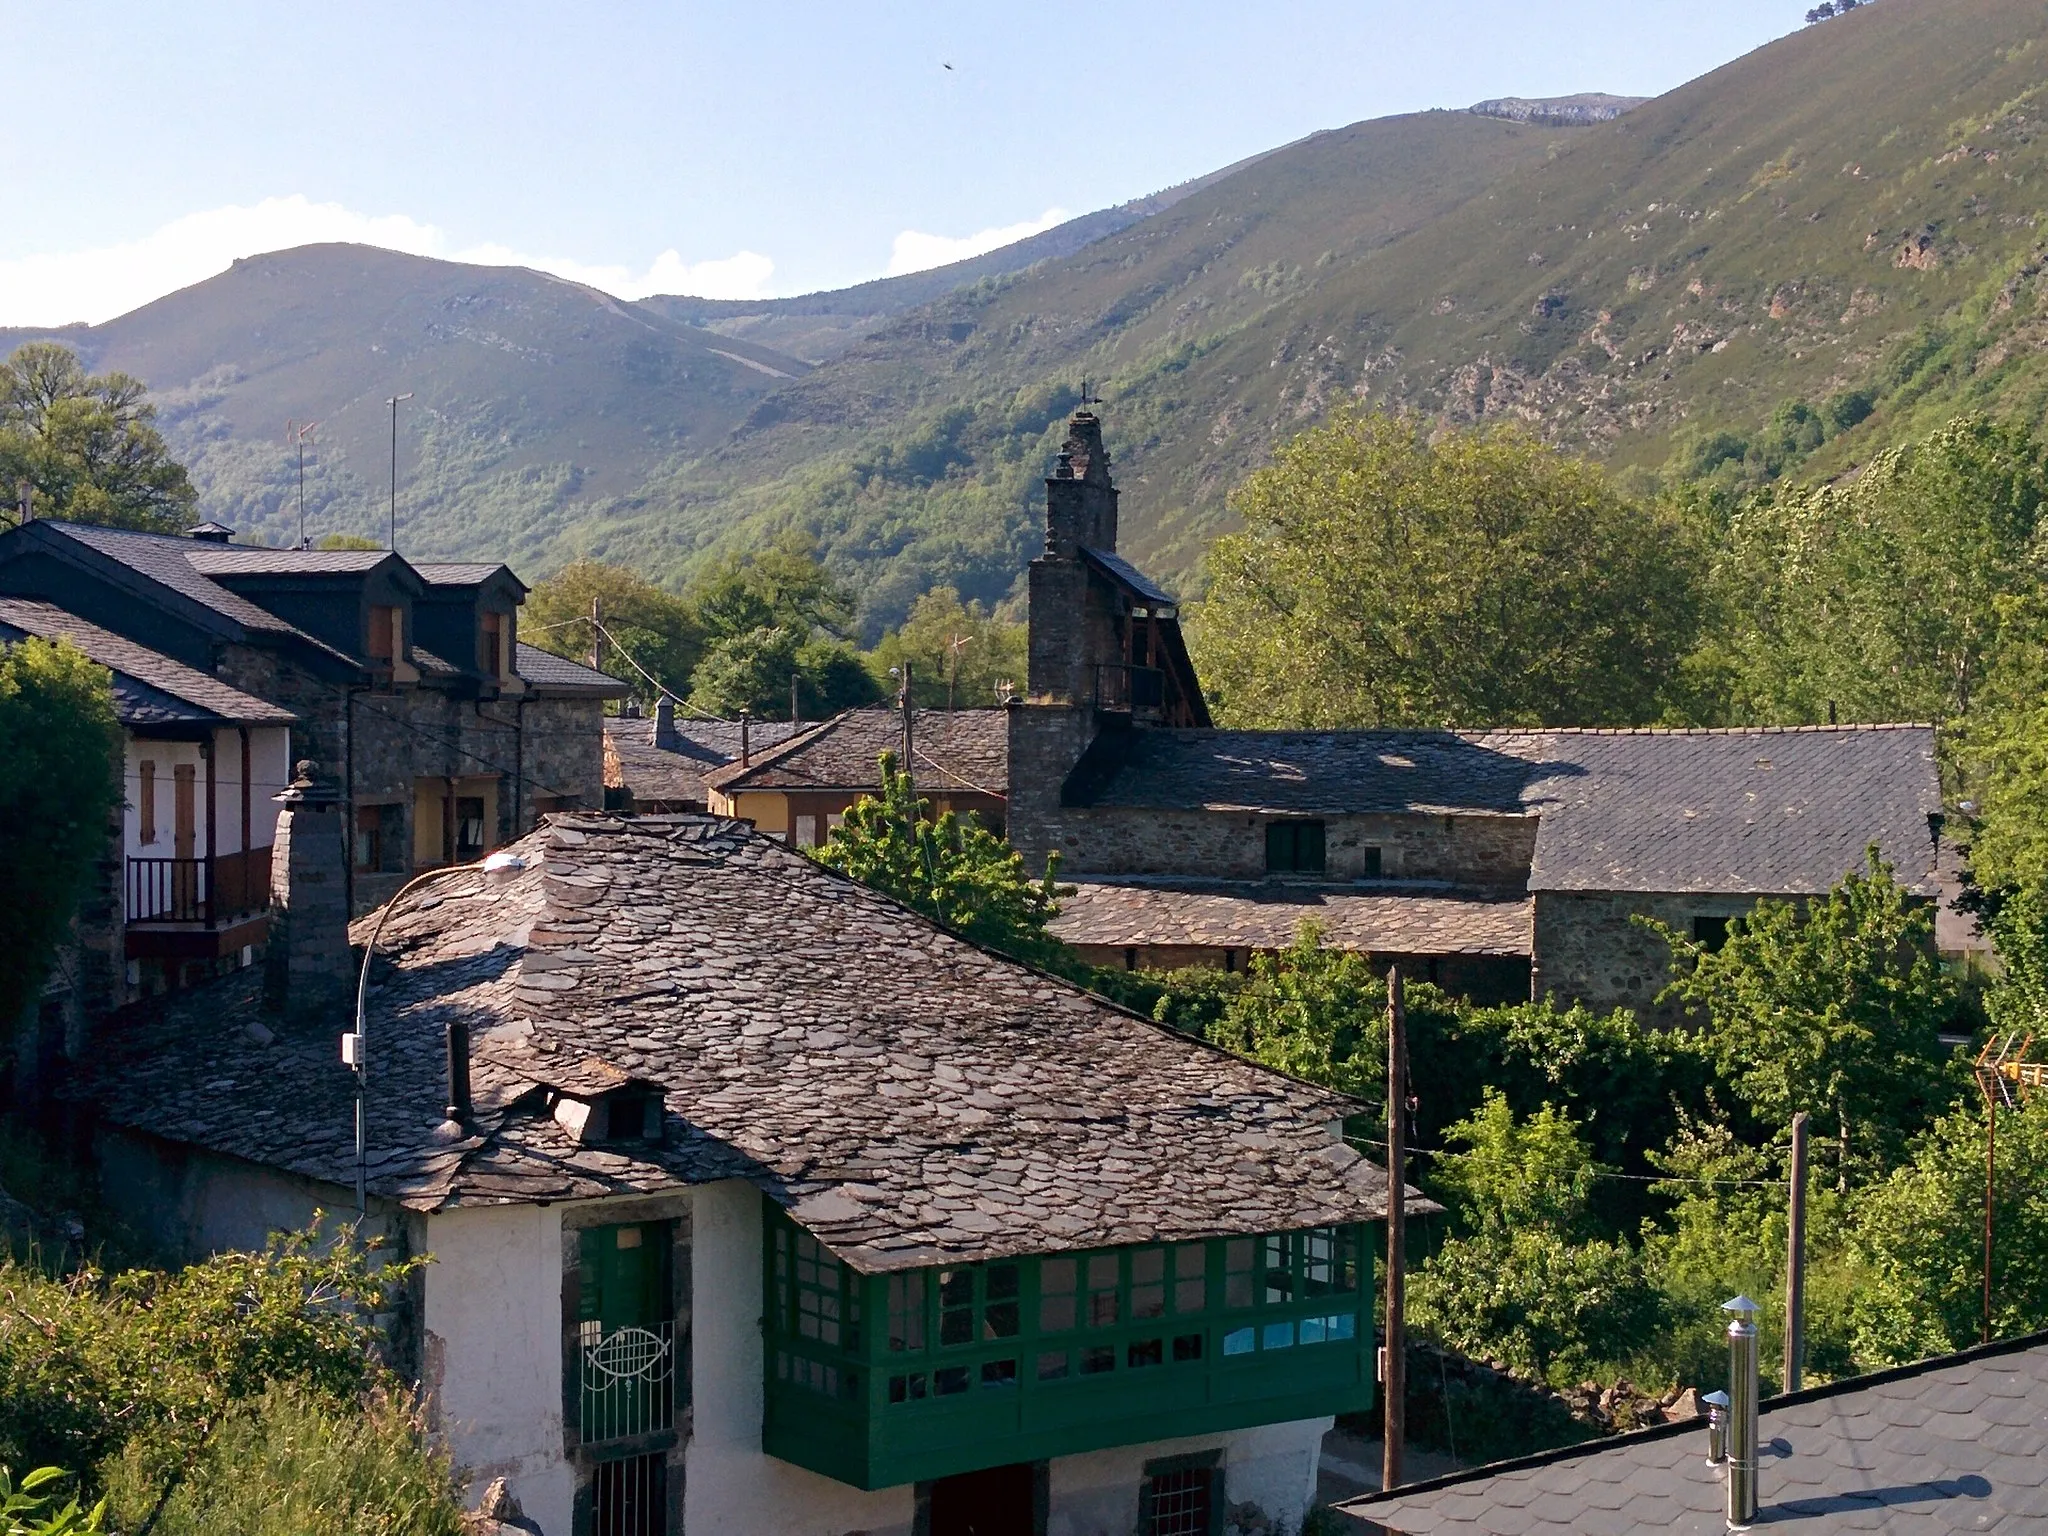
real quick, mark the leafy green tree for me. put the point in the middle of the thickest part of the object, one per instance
(656, 628)
(952, 869)
(2000, 752)
(1835, 1009)
(86, 444)
(1515, 1173)
(27, 1510)
(957, 652)
(346, 541)
(782, 587)
(59, 784)
(1386, 579)
(1886, 595)
(752, 672)
(1919, 1238)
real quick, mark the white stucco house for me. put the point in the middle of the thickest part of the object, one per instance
(759, 1205)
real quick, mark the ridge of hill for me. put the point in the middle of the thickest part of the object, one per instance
(1790, 261)
(1586, 107)
(531, 394)
(819, 326)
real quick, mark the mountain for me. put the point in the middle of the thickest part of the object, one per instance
(1788, 262)
(533, 397)
(1567, 111)
(818, 326)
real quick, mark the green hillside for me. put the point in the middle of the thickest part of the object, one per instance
(1852, 208)
(535, 401)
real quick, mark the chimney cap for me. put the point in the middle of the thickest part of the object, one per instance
(210, 532)
(307, 788)
(1741, 1306)
(1716, 1399)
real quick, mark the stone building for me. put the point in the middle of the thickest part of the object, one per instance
(1495, 863)
(406, 683)
(801, 789)
(760, 1205)
(663, 763)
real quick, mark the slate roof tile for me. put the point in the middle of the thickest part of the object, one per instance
(1266, 915)
(866, 1069)
(679, 773)
(957, 750)
(558, 674)
(1766, 811)
(149, 687)
(1829, 1465)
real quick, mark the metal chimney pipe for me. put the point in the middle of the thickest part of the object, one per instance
(459, 1106)
(1717, 1428)
(1742, 1415)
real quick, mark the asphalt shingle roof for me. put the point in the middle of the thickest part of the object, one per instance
(459, 573)
(1955, 1444)
(1219, 914)
(251, 560)
(149, 687)
(558, 674)
(957, 750)
(1783, 811)
(909, 1097)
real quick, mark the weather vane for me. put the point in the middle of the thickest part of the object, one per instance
(1089, 396)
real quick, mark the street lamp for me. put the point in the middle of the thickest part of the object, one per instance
(355, 1047)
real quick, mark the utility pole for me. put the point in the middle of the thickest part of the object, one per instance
(2000, 1064)
(909, 744)
(1990, 1189)
(1394, 1374)
(795, 709)
(596, 634)
(393, 403)
(1795, 1260)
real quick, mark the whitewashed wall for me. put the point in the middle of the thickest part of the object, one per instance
(1272, 1466)
(493, 1348)
(269, 772)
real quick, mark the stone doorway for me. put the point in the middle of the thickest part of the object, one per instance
(1001, 1501)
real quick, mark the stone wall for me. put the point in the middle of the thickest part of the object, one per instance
(1590, 948)
(1484, 851)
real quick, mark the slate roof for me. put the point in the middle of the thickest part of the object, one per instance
(1228, 914)
(251, 560)
(1953, 1444)
(558, 674)
(957, 750)
(1764, 811)
(149, 687)
(679, 773)
(1120, 570)
(909, 1097)
(460, 573)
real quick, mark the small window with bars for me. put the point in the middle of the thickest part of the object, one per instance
(629, 1497)
(1181, 1496)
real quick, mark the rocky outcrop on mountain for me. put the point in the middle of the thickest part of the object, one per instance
(1564, 111)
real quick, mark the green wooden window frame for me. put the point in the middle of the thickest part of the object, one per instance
(1074, 1349)
(1295, 848)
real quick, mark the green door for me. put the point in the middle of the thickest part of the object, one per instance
(625, 1331)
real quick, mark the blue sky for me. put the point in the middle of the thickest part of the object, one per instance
(733, 150)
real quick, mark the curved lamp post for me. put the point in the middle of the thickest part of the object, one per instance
(355, 1048)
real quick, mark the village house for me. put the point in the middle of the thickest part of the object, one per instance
(188, 880)
(1497, 864)
(758, 1204)
(407, 682)
(801, 789)
(662, 762)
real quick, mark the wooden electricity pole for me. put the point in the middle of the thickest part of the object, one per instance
(1394, 1376)
(1795, 1260)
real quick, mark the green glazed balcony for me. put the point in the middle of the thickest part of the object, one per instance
(880, 1380)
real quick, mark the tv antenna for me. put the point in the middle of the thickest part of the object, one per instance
(300, 433)
(393, 403)
(2005, 1077)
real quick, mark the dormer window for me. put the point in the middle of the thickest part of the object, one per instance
(490, 646)
(387, 635)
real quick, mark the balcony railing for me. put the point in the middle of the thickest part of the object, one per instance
(1129, 688)
(628, 1381)
(197, 890)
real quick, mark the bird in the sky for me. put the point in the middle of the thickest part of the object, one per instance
(948, 65)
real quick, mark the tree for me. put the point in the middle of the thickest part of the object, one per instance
(2000, 753)
(752, 671)
(1885, 597)
(656, 628)
(87, 445)
(957, 652)
(1517, 1173)
(59, 785)
(952, 869)
(346, 541)
(1385, 579)
(782, 587)
(1836, 1010)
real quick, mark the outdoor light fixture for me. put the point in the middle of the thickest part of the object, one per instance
(355, 1047)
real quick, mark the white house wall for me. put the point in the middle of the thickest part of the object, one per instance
(269, 773)
(1271, 1466)
(493, 1351)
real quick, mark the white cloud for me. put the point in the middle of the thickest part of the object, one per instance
(916, 251)
(55, 288)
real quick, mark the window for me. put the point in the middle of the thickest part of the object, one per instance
(490, 640)
(1179, 1497)
(630, 1497)
(979, 1303)
(1057, 1279)
(1372, 863)
(380, 839)
(906, 1313)
(387, 635)
(1294, 848)
(145, 800)
(816, 1298)
(469, 828)
(1710, 932)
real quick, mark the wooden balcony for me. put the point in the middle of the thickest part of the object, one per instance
(196, 909)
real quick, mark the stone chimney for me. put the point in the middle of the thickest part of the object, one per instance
(665, 723)
(308, 967)
(1080, 501)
